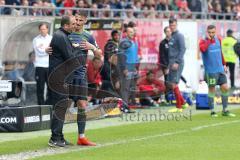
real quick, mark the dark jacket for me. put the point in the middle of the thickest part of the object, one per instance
(110, 48)
(110, 75)
(29, 72)
(62, 49)
(163, 53)
(176, 48)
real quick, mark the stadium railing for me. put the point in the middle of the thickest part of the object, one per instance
(111, 13)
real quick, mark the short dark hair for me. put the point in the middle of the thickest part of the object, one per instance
(149, 73)
(30, 54)
(211, 27)
(131, 24)
(229, 32)
(114, 32)
(42, 24)
(172, 20)
(65, 20)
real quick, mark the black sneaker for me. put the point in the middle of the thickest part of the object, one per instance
(56, 143)
(214, 114)
(67, 143)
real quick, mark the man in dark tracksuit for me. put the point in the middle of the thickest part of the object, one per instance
(110, 74)
(163, 51)
(163, 55)
(176, 63)
(61, 52)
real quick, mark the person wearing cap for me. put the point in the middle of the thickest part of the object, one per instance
(229, 54)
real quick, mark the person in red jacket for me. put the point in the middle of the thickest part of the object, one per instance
(94, 77)
(150, 89)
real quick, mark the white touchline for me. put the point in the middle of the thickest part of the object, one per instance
(53, 151)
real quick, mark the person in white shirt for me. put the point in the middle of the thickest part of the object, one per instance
(40, 43)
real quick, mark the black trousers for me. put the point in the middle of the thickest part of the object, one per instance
(41, 77)
(60, 104)
(231, 67)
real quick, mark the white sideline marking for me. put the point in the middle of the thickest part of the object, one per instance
(53, 151)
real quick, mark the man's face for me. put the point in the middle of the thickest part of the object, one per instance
(97, 63)
(80, 21)
(130, 33)
(116, 37)
(32, 58)
(70, 27)
(173, 26)
(43, 30)
(211, 33)
(150, 77)
(2, 2)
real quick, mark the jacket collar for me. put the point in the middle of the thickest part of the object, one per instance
(66, 32)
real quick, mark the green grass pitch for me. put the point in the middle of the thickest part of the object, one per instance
(198, 138)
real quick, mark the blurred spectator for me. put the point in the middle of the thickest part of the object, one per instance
(94, 13)
(210, 6)
(163, 5)
(47, 12)
(24, 11)
(58, 4)
(110, 74)
(184, 8)
(145, 13)
(150, 89)
(35, 11)
(69, 3)
(137, 7)
(106, 13)
(238, 12)
(94, 71)
(174, 5)
(217, 9)
(29, 70)
(149, 2)
(228, 10)
(79, 4)
(115, 4)
(3, 10)
(12, 2)
(152, 13)
(129, 12)
(94, 77)
(195, 5)
(111, 46)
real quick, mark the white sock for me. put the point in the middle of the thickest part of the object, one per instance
(81, 135)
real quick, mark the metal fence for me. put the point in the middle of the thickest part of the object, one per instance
(110, 13)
